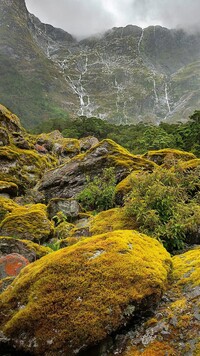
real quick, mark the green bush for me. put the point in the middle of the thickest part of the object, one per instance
(165, 205)
(99, 193)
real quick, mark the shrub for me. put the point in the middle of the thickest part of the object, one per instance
(165, 205)
(99, 194)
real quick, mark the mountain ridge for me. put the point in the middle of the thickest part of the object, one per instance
(126, 75)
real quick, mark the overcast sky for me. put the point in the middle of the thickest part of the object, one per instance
(85, 17)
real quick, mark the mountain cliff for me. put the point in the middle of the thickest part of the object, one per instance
(126, 75)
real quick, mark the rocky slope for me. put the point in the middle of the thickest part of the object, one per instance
(107, 289)
(126, 75)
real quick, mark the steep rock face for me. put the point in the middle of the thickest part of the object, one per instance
(126, 75)
(30, 83)
(70, 178)
(55, 307)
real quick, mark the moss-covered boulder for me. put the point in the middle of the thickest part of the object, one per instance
(29, 222)
(9, 121)
(105, 221)
(75, 297)
(69, 179)
(22, 167)
(174, 328)
(168, 156)
(30, 250)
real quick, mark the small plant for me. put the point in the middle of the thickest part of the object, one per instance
(99, 193)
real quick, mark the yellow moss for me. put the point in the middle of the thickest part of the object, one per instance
(62, 231)
(85, 291)
(23, 166)
(191, 164)
(29, 222)
(197, 349)
(178, 304)
(5, 114)
(119, 156)
(6, 206)
(187, 268)
(110, 220)
(162, 156)
(126, 184)
(156, 348)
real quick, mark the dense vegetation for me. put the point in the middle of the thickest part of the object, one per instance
(136, 138)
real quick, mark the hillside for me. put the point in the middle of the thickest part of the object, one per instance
(99, 248)
(126, 75)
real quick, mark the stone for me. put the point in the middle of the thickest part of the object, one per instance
(70, 178)
(69, 207)
(11, 265)
(75, 297)
(29, 222)
(28, 249)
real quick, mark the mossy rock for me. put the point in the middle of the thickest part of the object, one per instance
(9, 121)
(69, 179)
(168, 156)
(190, 165)
(174, 328)
(26, 248)
(6, 206)
(69, 207)
(23, 167)
(124, 187)
(84, 292)
(29, 222)
(62, 231)
(105, 221)
(8, 188)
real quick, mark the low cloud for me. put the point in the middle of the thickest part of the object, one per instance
(86, 17)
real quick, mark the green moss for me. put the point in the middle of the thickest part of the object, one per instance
(29, 222)
(85, 291)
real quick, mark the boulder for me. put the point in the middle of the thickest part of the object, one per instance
(29, 222)
(168, 156)
(8, 188)
(88, 142)
(69, 179)
(69, 207)
(22, 167)
(174, 328)
(75, 297)
(9, 121)
(28, 249)
(11, 265)
(4, 137)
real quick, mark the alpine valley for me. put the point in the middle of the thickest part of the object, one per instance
(126, 75)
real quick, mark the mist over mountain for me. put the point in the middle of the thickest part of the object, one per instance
(126, 75)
